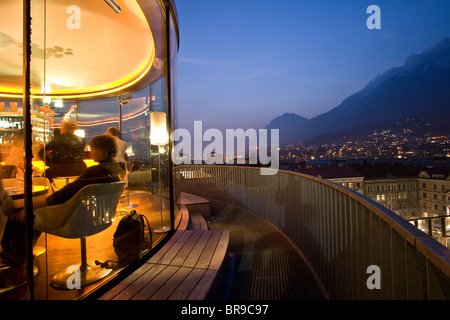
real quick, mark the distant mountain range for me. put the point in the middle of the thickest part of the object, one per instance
(417, 90)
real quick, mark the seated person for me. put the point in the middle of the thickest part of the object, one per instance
(103, 151)
(64, 153)
(6, 203)
(15, 153)
(11, 211)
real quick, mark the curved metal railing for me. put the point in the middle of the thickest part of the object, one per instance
(357, 248)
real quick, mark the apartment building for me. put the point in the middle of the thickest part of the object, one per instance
(410, 191)
(434, 192)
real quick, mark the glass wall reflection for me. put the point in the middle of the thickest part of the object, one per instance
(100, 122)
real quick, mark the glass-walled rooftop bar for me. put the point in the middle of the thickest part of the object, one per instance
(87, 102)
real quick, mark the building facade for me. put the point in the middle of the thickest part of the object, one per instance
(396, 194)
(420, 195)
(433, 193)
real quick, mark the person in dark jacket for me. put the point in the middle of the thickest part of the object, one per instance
(103, 150)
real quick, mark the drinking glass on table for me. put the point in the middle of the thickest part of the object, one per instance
(20, 180)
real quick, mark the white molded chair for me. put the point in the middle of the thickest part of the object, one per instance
(89, 212)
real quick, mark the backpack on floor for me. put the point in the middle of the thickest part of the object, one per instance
(131, 237)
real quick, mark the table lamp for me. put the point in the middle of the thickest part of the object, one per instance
(159, 137)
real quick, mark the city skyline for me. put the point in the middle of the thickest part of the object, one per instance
(263, 59)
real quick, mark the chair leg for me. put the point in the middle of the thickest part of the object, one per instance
(84, 265)
(87, 274)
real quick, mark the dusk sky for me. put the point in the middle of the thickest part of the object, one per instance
(244, 62)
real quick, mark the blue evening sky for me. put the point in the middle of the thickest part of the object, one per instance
(244, 62)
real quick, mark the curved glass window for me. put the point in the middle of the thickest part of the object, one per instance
(87, 145)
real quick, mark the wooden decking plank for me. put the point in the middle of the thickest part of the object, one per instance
(184, 216)
(221, 251)
(161, 252)
(127, 282)
(185, 288)
(172, 284)
(200, 291)
(196, 252)
(198, 221)
(184, 268)
(196, 225)
(175, 248)
(131, 290)
(205, 259)
(157, 282)
(185, 251)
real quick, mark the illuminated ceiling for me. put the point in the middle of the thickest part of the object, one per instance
(87, 50)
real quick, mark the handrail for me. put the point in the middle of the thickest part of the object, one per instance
(357, 248)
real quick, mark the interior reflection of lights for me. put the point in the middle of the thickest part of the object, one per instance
(135, 115)
(110, 120)
(58, 104)
(80, 133)
(135, 129)
(100, 122)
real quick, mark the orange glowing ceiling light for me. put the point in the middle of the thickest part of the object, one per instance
(106, 53)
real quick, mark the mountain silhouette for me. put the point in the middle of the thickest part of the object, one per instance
(418, 88)
(288, 124)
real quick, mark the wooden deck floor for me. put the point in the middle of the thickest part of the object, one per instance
(61, 253)
(184, 269)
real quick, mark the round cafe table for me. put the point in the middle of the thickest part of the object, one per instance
(19, 193)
